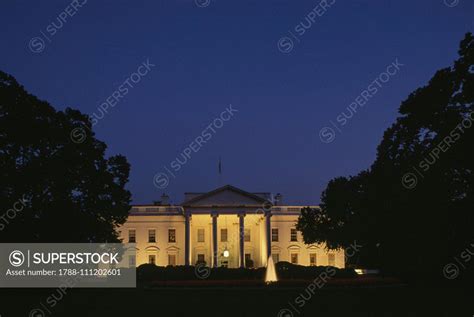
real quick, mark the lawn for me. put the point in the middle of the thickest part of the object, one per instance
(240, 301)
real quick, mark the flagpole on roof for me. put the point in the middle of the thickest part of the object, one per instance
(219, 172)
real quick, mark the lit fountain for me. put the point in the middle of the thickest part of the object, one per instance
(270, 275)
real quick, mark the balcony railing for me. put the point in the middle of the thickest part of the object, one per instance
(156, 209)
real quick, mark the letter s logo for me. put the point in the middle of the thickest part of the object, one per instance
(17, 258)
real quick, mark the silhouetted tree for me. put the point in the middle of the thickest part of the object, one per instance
(415, 205)
(56, 184)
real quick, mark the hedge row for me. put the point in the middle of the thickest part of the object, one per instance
(285, 271)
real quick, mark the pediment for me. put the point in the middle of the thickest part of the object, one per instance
(226, 196)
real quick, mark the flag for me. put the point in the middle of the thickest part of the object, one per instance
(220, 166)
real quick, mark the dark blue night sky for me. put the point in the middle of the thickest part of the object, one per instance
(212, 55)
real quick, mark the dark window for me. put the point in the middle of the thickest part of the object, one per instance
(171, 235)
(294, 235)
(152, 235)
(274, 235)
(132, 236)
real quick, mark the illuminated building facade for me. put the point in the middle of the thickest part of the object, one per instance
(224, 227)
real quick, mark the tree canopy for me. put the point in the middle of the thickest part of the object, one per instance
(55, 187)
(413, 209)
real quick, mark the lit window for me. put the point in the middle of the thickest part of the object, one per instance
(274, 235)
(172, 259)
(331, 259)
(276, 257)
(171, 235)
(200, 235)
(312, 259)
(151, 235)
(132, 236)
(223, 235)
(294, 258)
(152, 259)
(294, 235)
(131, 261)
(247, 235)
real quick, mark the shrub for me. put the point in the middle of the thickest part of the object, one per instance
(285, 271)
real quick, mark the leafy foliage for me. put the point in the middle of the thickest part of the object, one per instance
(71, 192)
(413, 208)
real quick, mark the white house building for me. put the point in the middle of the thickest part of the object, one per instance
(224, 227)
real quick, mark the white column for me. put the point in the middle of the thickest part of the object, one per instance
(187, 238)
(214, 239)
(241, 239)
(268, 231)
